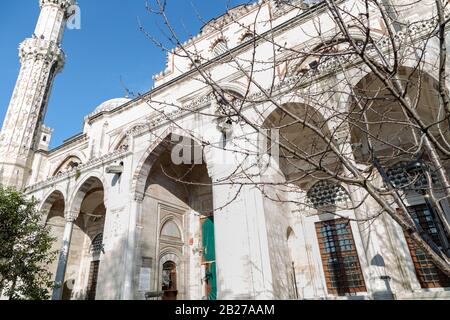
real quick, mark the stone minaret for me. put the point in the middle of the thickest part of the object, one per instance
(41, 58)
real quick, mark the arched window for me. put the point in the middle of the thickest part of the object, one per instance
(96, 249)
(97, 244)
(327, 193)
(124, 144)
(171, 230)
(247, 37)
(68, 164)
(220, 47)
(410, 177)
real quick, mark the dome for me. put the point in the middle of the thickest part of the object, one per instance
(111, 104)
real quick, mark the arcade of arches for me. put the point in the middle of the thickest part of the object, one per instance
(130, 223)
(181, 248)
(175, 234)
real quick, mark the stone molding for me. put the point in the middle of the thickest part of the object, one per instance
(90, 165)
(416, 31)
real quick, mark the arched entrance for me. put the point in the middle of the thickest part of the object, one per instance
(306, 202)
(53, 211)
(86, 246)
(302, 149)
(386, 130)
(178, 200)
(169, 281)
(376, 114)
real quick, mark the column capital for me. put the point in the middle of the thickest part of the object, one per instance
(71, 216)
(139, 197)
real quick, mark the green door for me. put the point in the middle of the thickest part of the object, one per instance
(209, 257)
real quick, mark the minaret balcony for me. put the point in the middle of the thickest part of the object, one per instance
(63, 4)
(37, 49)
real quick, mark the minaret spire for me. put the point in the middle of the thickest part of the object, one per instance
(41, 58)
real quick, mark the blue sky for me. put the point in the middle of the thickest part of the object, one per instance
(109, 47)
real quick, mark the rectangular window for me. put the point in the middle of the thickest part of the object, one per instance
(428, 274)
(340, 260)
(92, 282)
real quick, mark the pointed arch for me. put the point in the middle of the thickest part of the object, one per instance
(69, 163)
(219, 46)
(171, 229)
(233, 87)
(267, 112)
(123, 139)
(288, 126)
(162, 143)
(49, 201)
(82, 190)
(146, 163)
(386, 123)
(170, 255)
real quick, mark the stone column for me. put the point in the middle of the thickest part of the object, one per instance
(369, 230)
(63, 257)
(242, 250)
(130, 249)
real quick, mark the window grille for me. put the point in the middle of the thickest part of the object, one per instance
(97, 244)
(428, 274)
(409, 177)
(92, 281)
(340, 259)
(326, 193)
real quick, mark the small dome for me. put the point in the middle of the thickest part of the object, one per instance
(111, 104)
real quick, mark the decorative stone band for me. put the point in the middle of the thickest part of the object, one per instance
(413, 33)
(92, 164)
(63, 4)
(37, 49)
